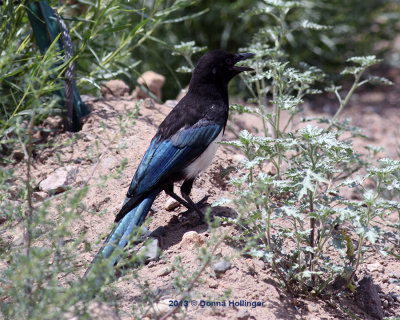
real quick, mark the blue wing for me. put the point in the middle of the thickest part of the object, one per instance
(165, 158)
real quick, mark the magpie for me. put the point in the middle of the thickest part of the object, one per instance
(184, 146)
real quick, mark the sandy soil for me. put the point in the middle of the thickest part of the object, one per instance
(101, 147)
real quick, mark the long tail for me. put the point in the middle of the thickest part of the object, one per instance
(120, 235)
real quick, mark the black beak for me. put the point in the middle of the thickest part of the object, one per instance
(240, 57)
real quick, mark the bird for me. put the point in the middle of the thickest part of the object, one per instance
(183, 147)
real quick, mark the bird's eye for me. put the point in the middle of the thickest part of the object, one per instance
(228, 61)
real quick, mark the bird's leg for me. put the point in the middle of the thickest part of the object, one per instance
(169, 190)
(185, 191)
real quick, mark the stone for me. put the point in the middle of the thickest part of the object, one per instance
(157, 310)
(259, 263)
(190, 239)
(171, 204)
(148, 103)
(114, 88)
(222, 267)
(375, 267)
(367, 298)
(242, 314)
(153, 82)
(58, 181)
(151, 251)
(394, 275)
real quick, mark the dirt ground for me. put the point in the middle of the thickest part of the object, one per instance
(374, 110)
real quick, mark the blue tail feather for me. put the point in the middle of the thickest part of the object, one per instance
(120, 235)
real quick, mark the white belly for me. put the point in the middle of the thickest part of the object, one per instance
(202, 162)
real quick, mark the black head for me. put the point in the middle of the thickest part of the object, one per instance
(219, 66)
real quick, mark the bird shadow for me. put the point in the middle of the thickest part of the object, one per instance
(177, 227)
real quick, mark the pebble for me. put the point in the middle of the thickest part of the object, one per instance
(148, 103)
(222, 266)
(58, 181)
(171, 204)
(375, 267)
(367, 298)
(394, 275)
(158, 309)
(190, 239)
(259, 263)
(151, 251)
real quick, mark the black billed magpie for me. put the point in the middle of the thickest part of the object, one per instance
(184, 145)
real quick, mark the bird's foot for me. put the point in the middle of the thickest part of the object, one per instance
(183, 215)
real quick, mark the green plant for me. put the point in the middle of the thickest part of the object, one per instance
(104, 35)
(289, 214)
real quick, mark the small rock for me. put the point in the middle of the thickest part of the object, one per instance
(150, 251)
(190, 239)
(148, 103)
(394, 275)
(259, 263)
(171, 204)
(153, 82)
(213, 284)
(242, 314)
(375, 267)
(392, 280)
(114, 88)
(385, 304)
(58, 181)
(222, 267)
(367, 298)
(39, 196)
(157, 310)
